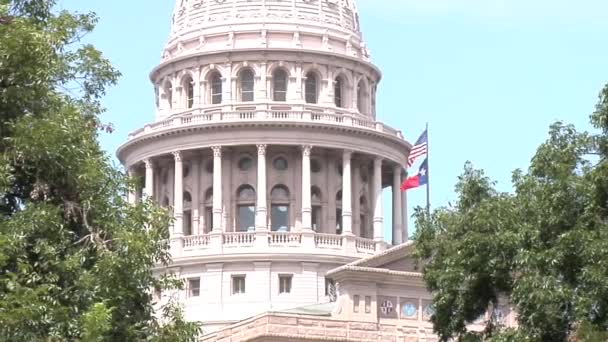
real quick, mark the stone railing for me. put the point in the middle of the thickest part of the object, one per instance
(276, 238)
(328, 241)
(238, 239)
(197, 117)
(276, 242)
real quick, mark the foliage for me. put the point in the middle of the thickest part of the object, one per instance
(543, 248)
(75, 260)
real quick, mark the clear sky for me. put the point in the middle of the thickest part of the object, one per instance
(489, 76)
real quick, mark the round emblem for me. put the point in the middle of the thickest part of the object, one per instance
(409, 310)
(386, 307)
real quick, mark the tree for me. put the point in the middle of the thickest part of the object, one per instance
(543, 248)
(75, 260)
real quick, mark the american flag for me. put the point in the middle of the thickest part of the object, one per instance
(420, 148)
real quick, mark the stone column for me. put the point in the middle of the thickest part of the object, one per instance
(378, 219)
(131, 195)
(195, 195)
(149, 190)
(405, 237)
(347, 227)
(397, 220)
(217, 189)
(306, 195)
(261, 222)
(178, 197)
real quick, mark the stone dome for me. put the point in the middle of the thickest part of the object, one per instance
(200, 26)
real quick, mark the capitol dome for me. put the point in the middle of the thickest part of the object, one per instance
(267, 149)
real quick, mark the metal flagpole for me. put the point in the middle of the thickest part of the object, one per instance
(428, 180)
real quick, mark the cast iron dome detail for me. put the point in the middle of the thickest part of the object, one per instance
(258, 102)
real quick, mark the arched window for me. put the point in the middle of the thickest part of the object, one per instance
(168, 92)
(365, 226)
(208, 216)
(362, 98)
(339, 92)
(339, 213)
(187, 221)
(279, 85)
(188, 85)
(310, 88)
(245, 208)
(279, 209)
(216, 88)
(317, 208)
(246, 79)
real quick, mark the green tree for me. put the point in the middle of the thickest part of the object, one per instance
(542, 248)
(75, 260)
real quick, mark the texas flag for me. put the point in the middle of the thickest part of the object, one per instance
(422, 178)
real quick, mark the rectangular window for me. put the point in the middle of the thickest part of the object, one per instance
(194, 287)
(285, 283)
(316, 218)
(187, 222)
(330, 289)
(208, 219)
(356, 303)
(368, 304)
(238, 284)
(279, 216)
(246, 218)
(339, 221)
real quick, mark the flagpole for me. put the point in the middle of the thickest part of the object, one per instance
(428, 182)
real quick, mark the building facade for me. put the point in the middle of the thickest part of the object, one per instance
(267, 149)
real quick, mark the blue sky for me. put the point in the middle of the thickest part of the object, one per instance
(489, 76)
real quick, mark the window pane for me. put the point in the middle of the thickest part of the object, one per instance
(280, 218)
(338, 92)
(246, 218)
(238, 284)
(285, 283)
(316, 218)
(338, 221)
(216, 90)
(279, 86)
(187, 223)
(247, 85)
(190, 93)
(194, 287)
(311, 89)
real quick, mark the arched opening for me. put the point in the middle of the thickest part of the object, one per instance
(365, 226)
(339, 213)
(339, 92)
(245, 208)
(317, 208)
(208, 214)
(279, 209)
(168, 95)
(246, 85)
(188, 86)
(187, 219)
(310, 88)
(215, 80)
(279, 85)
(362, 99)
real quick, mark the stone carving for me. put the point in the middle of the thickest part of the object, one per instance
(217, 151)
(261, 150)
(177, 155)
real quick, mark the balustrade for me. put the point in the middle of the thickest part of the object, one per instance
(238, 239)
(276, 238)
(328, 240)
(194, 117)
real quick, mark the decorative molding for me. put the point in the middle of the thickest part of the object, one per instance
(261, 149)
(217, 151)
(177, 155)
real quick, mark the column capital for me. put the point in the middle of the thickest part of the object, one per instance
(378, 161)
(261, 149)
(306, 150)
(217, 151)
(347, 153)
(148, 163)
(177, 155)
